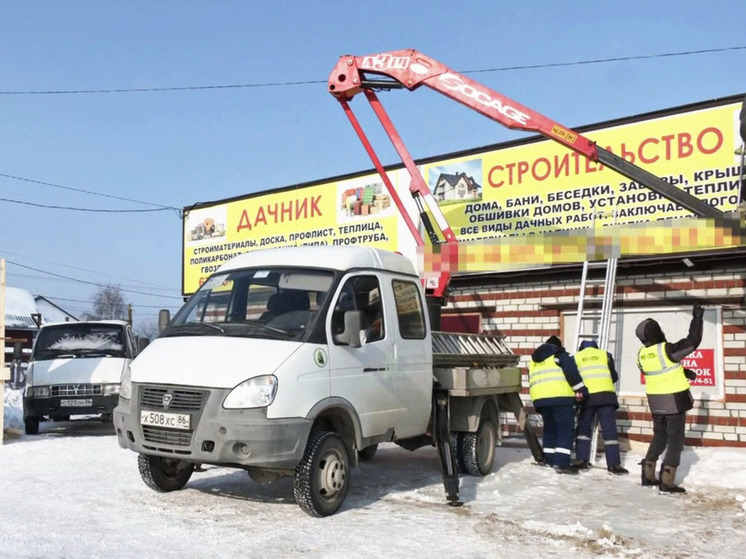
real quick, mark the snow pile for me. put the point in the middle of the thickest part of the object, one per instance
(72, 493)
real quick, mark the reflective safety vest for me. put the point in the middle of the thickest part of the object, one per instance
(662, 376)
(547, 380)
(593, 364)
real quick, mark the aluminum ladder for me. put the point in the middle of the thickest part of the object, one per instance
(600, 325)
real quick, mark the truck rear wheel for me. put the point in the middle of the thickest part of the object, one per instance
(31, 425)
(322, 476)
(478, 449)
(164, 474)
(457, 452)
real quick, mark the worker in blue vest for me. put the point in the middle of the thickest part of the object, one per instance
(596, 366)
(669, 397)
(555, 385)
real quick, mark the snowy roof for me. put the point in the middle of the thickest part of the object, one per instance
(51, 312)
(19, 306)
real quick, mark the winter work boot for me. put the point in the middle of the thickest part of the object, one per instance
(582, 466)
(617, 470)
(648, 473)
(668, 476)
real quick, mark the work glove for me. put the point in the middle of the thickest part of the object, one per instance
(691, 375)
(698, 311)
(581, 396)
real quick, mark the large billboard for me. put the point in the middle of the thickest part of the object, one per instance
(521, 192)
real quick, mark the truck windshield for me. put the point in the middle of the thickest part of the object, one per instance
(79, 340)
(280, 303)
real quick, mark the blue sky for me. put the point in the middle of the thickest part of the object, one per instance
(160, 149)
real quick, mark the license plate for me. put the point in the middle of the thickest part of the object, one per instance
(77, 403)
(169, 420)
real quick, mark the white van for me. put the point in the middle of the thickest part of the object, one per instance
(76, 369)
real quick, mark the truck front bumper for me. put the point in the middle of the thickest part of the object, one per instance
(215, 435)
(69, 405)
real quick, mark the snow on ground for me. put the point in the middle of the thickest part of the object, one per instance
(71, 492)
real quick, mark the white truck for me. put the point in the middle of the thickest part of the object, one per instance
(75, 369)
(298, 362)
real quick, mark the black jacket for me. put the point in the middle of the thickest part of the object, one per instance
(568, 366)
(603, 398)
(649, 333)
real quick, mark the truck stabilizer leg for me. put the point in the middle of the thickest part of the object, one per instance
(443, 442)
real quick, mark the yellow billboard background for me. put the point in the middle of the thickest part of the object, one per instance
(349, 212)
(543, 187)
(514, 206)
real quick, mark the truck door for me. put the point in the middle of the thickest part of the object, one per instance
(364, 376)
(414, 372)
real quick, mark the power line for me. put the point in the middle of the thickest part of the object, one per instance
(153, 285)
(63, 187)
(602, 60)
(71, 208)
(88, 282)
(316, 82)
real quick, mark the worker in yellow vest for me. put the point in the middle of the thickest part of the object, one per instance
(599, 374)
(669, 397)
(555, 387)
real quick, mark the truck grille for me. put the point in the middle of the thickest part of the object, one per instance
(76, 390)
(158, 435)
(182, 400)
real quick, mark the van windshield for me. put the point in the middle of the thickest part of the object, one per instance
(79, 340)
(279, 303)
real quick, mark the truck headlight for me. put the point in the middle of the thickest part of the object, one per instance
(125, 388)
(110, 389)
(39, 392)
(257, 392)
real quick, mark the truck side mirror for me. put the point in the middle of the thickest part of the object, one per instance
(17, 351)
(164, 317)
(743, 120)
(353, 335)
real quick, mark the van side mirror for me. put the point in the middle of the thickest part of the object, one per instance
(164, 317)
(17, 351)
(353, 335)
(142, 343)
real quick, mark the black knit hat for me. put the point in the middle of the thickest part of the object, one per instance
(649, 332)
(554, 340)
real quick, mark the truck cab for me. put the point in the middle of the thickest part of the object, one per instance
(284, 362)
(76, 369)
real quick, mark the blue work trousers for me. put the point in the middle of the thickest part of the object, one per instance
(607, 421)
(559, 422)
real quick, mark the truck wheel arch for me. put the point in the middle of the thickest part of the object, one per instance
(338, 415)
(466, 412)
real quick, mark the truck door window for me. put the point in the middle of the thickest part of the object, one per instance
(409, 309)
(362, 293)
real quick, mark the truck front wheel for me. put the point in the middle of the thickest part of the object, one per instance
(322, 475)
(164, 474)
(478, 449)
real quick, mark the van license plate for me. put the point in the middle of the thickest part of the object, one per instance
(78, 403)
(170, 420)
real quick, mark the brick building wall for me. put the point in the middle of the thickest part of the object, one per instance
(528, 307)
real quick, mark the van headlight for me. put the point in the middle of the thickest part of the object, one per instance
(110, 389)
(38, 392)
(257, 392)
(125, 388)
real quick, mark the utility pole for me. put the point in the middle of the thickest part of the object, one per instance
(4, 371)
